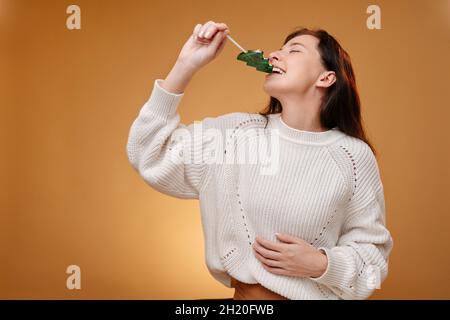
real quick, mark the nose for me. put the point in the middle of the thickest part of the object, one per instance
(273, 56)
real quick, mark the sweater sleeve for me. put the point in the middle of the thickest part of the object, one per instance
(166, 153)
(359, 262)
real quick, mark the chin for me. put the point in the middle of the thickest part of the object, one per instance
(271, 91)
(269, 88)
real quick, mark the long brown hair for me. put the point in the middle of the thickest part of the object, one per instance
(341, 104)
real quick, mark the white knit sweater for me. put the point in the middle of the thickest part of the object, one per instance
(323, 187)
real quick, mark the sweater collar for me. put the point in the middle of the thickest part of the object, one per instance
(302, 136)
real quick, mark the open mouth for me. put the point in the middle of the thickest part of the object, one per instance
(276, 70)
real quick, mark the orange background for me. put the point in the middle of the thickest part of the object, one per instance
(69, 97)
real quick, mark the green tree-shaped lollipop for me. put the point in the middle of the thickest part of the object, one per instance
(254, 58)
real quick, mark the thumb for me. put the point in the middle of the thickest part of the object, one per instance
(221, 46)
(286, 238)
(219, 41)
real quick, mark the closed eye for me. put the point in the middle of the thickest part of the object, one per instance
(294, 51)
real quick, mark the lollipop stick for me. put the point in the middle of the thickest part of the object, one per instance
(236, 44)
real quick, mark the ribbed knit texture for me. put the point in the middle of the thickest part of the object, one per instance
(326, 190)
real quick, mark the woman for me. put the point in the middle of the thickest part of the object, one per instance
(312, 225)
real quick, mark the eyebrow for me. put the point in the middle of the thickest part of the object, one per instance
(294, 43)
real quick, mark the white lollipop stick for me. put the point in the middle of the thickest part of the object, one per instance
(236, 44)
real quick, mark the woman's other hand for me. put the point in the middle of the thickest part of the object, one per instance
(291, 257)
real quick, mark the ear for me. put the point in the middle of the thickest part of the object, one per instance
(326, 79)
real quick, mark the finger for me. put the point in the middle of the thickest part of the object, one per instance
(205, 28)
(221, 46)
(269, 254)
(211, 31)
(222, 26)
(269, 244)
(196, 30)
(279, 271)
(268, 262)
(213, 28)
(287, 238)
(217, 41)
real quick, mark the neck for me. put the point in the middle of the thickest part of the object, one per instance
(302, 114)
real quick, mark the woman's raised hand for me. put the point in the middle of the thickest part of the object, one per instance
(205, 44)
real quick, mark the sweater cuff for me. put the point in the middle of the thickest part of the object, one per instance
(336, 270)
(163, 103)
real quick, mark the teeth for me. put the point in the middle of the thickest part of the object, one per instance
(275, 69)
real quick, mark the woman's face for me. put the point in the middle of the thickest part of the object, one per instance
(302, 65)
